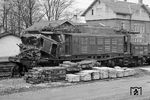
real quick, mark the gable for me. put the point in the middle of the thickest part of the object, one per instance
(140, 14)
(99, 11)
(121, 7)
(93, 4)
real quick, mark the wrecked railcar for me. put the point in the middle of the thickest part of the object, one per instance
(54, 44)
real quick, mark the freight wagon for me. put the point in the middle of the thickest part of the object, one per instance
(95, 46)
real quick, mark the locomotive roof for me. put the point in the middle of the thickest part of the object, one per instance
(89, 34)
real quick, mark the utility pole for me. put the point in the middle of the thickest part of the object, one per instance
(130, 29)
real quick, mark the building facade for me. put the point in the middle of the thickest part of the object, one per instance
(125, 15)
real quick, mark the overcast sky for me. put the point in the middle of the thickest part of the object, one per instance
(83, 4)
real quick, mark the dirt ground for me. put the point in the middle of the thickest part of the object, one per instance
(114, 89)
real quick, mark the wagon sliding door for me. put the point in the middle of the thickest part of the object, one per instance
(68, 45)
(84, 45)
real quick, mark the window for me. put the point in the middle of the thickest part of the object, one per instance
(99, 1)
(92, 12)
(92, 41)
(142, 29)
(137, 12)
(107, 41)
(139, 28)
(100, 41)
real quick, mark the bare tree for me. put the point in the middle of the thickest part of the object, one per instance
(55, 8)
(5, 9)
(15, 15)
(31, 12)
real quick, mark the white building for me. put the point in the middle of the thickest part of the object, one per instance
(8, 45)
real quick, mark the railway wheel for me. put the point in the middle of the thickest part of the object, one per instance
(119, 62)
(148, 61)
(126, 62)
(111, 63)
(140, 62)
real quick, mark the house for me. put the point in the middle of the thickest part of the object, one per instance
(117, 14)
(54, 26)
(8, 45)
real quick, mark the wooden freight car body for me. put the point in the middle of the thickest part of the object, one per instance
(96, 46)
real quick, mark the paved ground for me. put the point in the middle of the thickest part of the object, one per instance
(101, 90)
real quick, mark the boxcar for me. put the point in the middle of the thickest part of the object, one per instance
(93, 44)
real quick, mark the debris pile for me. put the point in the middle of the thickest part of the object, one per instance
(45, 74)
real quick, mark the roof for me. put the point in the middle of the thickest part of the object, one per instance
(7, 34)
(39, 36)
(121, 7)
(97, 29)
(89, 34)
(43, 24)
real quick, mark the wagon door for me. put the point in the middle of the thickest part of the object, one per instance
(100, 45)
(107, 43)
(75, 45)
(68, 42)
(84, 45)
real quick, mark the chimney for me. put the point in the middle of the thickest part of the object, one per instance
(140, 1)
(76, 17)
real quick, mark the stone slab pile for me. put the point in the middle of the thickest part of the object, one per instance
(88, 64)
(84, 76)
(94, 74)
(73, 78)
(101, 73)
(70, 66)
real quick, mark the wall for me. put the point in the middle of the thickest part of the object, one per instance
(8, 46)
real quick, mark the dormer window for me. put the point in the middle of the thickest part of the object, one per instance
(92, 12)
